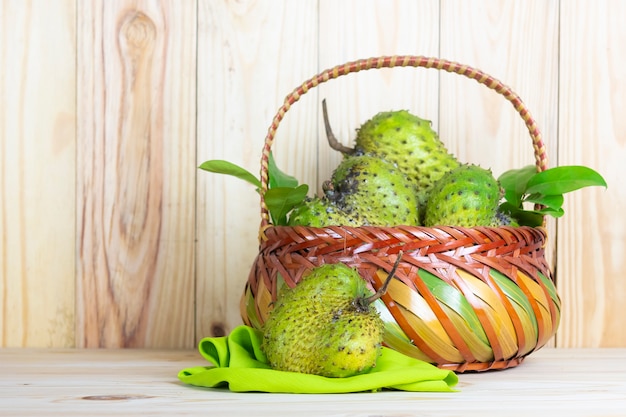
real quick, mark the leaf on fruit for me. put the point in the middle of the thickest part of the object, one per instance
(564, 179)
(552, 201)
(544, 188)
(554, 212)
(278, 178)
(281, 200)
(514, 183)
(523, 217)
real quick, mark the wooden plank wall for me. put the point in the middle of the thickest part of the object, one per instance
(112, 238)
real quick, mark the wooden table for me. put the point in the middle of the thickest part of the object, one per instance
(66, 382)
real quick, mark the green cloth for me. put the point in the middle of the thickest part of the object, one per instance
(240, 365)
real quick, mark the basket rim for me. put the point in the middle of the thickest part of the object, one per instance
(392, 61)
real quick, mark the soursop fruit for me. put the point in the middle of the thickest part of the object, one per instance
(325, 325)
(503, 219)
(409, 142)
(373, 189)
(320, 212)
(467, 196)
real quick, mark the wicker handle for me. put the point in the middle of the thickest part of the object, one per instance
(391, 62)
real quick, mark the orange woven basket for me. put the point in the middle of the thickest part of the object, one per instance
(465, 299)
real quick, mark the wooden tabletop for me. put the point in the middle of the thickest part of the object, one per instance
(66, 382)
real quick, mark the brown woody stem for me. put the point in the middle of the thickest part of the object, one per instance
(330, 136)
(382, 290)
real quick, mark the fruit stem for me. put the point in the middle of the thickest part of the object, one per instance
(382, 290)
(330, 136)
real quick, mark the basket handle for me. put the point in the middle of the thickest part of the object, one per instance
(541, 159)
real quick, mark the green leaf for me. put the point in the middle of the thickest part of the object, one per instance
(224, 167)
(552, 201)
(521, 216)
(564, 179)
(514, 183)
(277, 178)
(554, 212)
(281, 200)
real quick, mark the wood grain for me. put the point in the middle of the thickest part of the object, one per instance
(251, 55)
(136, 176)
(592, 132)
(351, 30)
(516, 43)
(139, 382)
(111, 236)
(37, 178)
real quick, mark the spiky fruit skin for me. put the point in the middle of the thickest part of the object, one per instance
(503, 219)
(409, 142)
(320, 212)
(375, 190)
(467, 196)
(322, 327)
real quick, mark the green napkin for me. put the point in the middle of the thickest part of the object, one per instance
(240, 365)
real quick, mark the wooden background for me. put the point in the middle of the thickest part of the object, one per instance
(111, 237)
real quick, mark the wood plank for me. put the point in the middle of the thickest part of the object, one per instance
(251, 55)
(138, 382)
(592, 132)
(516, 43)
(37, 173)
(136, 173)
(351, 30)
(133, 141)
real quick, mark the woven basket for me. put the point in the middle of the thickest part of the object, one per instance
(465, 299)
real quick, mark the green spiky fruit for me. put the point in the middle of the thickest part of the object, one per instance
(467, 196)
(503, 219)
(324, 325)
(375, 190)
(409, 142)
(320, 212)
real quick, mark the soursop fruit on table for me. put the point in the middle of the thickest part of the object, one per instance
(325, 325)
